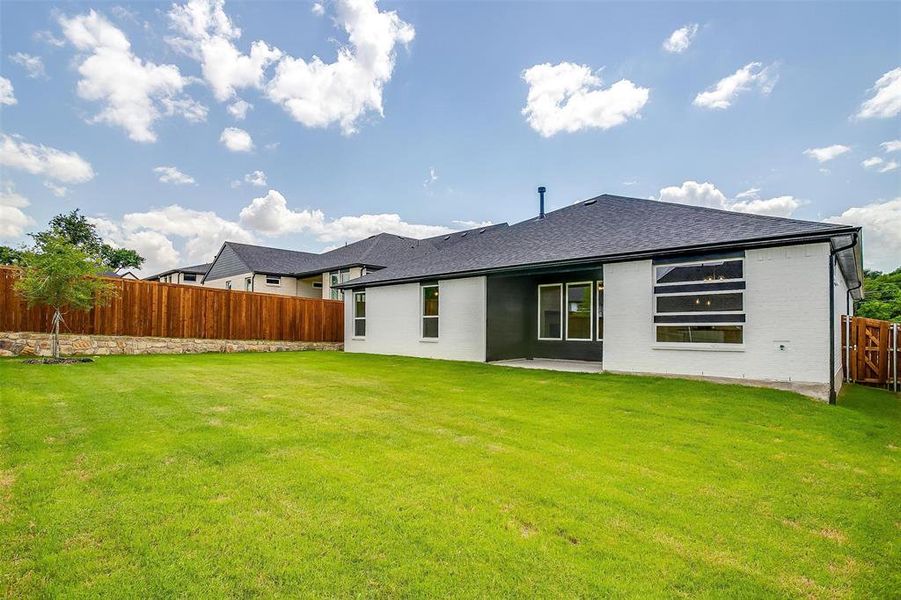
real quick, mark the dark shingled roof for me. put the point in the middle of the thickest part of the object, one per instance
(272, 261)
(386, 249)
(602, 227)
(198, 269)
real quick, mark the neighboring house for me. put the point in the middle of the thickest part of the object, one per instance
(639, 285)
(277, 271)
(251, 268)
(192, 275)
(117, 275)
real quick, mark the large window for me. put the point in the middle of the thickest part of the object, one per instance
(550, 311)
(273, 280)
(190, 276)
(700, 302)
(359, 314)
(429, 311)
(578, 311)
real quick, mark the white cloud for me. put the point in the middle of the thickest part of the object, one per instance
(67, 167)
(33, 65)
(749, 193)
(13, 220)
(569, 97)
(432, 178)
(318, 94)
(318, 9)
(173, 175)
(59, 191)
(827, 153)
(722, 94)
(891, 146)
(238, 109)
(7, 96)
(886, 100)
(706, 194)
(257, 178)
(133, 93)
(151, 233)
(881, 222)
(876, 163)
(679, 41)
(472, 224)
(48, 38)
(270, 214)
(236, 140)
(207, 34)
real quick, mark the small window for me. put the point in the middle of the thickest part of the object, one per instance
(691, 303)
(317, 285)
(190, 276)
(430, 311)
(228, 284)
(359, 314)
(273, 280)
(701, 334)
(248, 284)
(599, 301)
(550, 311)
(578, 311)
(706, 272)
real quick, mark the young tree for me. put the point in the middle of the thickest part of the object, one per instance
(78, 231)
(62, 276)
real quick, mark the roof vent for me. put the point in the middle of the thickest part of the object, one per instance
(541, 191)
(447, 237)
(482, 230)
(589, 202)
(464, 234)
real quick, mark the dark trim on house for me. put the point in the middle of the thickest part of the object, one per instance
(772, 242)
(699, 257)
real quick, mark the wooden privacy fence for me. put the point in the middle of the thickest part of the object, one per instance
(870, 352)
(149, 308)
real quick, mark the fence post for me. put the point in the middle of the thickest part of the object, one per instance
(895, 327)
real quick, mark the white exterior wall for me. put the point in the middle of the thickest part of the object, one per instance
(393, 321)
(786, 302)
(286, 287)
(237, 282)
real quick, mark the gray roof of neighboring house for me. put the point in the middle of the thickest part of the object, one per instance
(386, 249)
(271, 261)
(198, 269)
(602, 227)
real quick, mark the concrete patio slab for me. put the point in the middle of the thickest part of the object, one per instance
(550, 364)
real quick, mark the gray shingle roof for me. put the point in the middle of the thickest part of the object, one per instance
(605, 226)
(198, 269)
(273, 261)
(386, 249)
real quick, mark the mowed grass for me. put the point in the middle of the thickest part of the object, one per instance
(328, 474)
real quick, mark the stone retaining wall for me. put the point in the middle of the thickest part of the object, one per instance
(38, 344)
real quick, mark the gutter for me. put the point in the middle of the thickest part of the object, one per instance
(832, 253)
(639, 255)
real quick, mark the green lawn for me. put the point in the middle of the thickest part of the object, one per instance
(326, 474)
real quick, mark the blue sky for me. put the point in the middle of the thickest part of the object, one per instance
(440, 115)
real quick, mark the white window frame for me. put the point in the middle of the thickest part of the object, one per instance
(562, 313)
(423, 316)
(277, 280)
(357, 318)
(591, 311)
(719, 346)
(185, 276)
(598, 311)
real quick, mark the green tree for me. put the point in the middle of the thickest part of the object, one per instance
(10, 256)
(882, 296)
(81, 233)
(62, 276)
